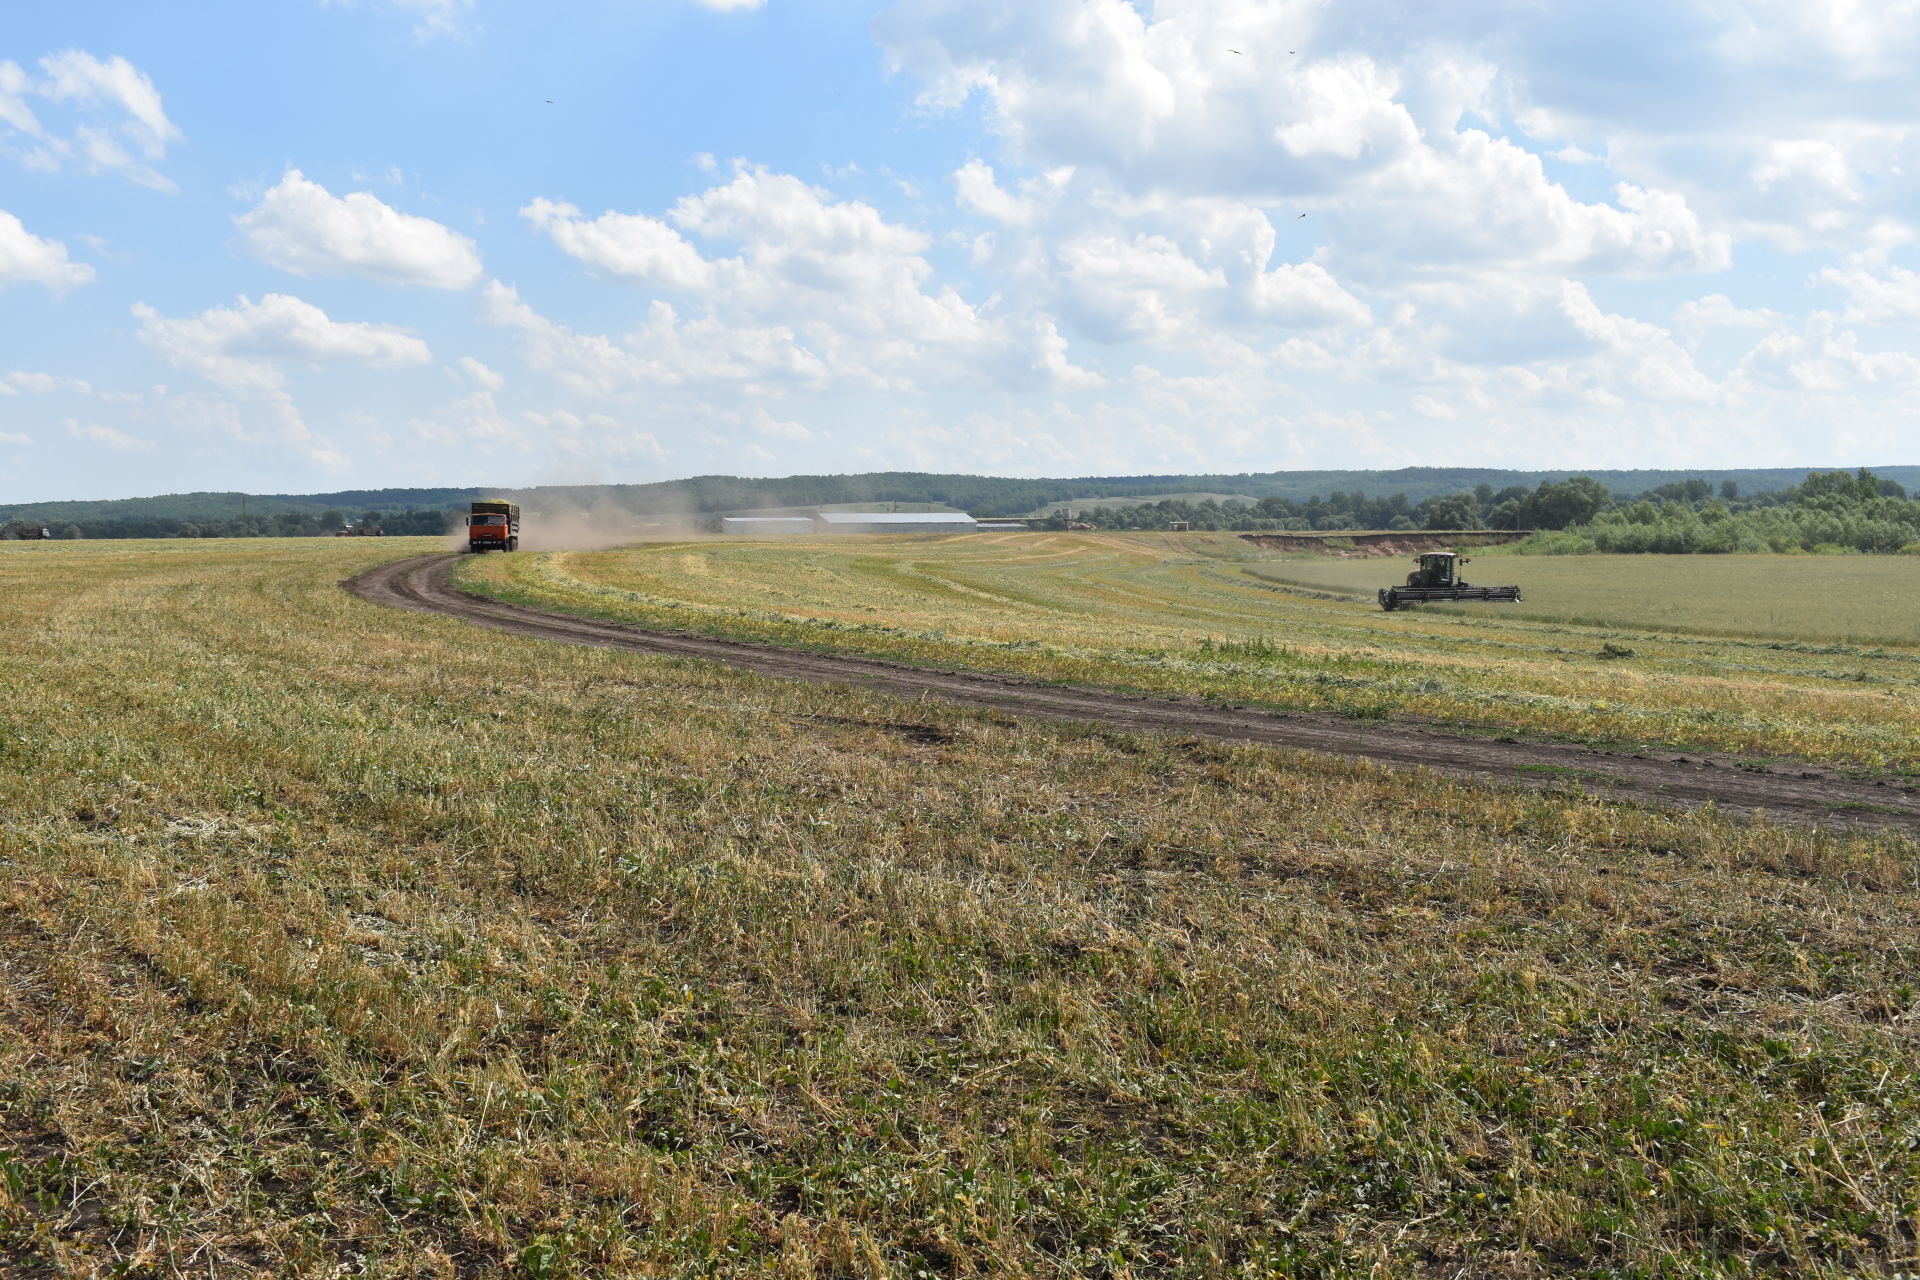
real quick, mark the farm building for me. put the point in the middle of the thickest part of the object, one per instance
(766, 524)
(990, 526)
(895, 522)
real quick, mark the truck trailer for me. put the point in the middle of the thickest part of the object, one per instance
(493, 526)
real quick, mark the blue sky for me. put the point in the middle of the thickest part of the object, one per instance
(322, 244)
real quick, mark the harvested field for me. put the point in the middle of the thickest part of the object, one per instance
(1207, 616)
(1794, 792)
(1369, 546)
(1865, 601)
(342, 939)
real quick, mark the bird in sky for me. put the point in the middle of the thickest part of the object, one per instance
(1236, 51)
(549, 101)
(1302, 216)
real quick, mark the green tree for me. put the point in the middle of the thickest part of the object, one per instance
(1570, 502)
(1455, 511)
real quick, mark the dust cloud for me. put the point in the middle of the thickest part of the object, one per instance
(551, 523)
(577, 528)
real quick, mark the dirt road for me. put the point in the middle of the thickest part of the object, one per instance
(1799, 793)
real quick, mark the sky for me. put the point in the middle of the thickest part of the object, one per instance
(324, 244)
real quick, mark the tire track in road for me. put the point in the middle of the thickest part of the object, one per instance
(1792, 792)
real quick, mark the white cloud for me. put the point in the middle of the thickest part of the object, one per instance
(631, 246)
(245, 347)
(479, 374)
(1427, 406)
(1825, 358)
(301, 227)
(15, 437)
(819, 292)
(107, 437)
(728, 6)
(45, 383)
(431, 18)
(119, 125)
(470, 420)
(25, 256)
(1717, 311)
(1891, 296)
(1156, 106)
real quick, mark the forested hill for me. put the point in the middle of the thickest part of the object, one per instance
(402, 509)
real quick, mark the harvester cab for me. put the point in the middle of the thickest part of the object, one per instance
(1436, 576)
(1437, 569)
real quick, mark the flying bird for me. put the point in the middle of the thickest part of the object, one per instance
(1236, 51)
(1302, 216)
(549, 101)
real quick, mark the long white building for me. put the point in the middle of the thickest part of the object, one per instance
(895, 521)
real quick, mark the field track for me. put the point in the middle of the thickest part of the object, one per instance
(1789, 792)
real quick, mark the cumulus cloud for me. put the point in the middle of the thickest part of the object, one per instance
(470, 420)
(1156, 105)
(479, 374)
(632, 247)
(117, 124)
(1822, 357)
(25, 256)
(107, 437)
(300, 226)
(1887, 296)
(44, 383)
(817, 291)
(246, 347)
(1717, 311)
(431, 18)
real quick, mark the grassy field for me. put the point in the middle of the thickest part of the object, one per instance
(1856, 600)
(1203, 615)
(343, 940)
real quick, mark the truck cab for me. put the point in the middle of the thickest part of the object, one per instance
(493, 526)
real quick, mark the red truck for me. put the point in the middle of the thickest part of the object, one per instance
(493, 526)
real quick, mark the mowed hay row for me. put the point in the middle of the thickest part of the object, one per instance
(340, 939)
(1208, 615)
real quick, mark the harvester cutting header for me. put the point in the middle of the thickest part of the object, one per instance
(1436, 576)
(493, 526)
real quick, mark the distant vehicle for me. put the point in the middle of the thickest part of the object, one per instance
(1436, 576)
(493, 526)
(21, 531)
(361, 530)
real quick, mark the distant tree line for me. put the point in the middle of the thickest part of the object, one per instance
(282, 524)
(1553, 504)
(1833, 511)
(1830, 511)
(1346, 492)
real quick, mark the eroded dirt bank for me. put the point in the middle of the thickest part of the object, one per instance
(1357, 545)
(1801, 793)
